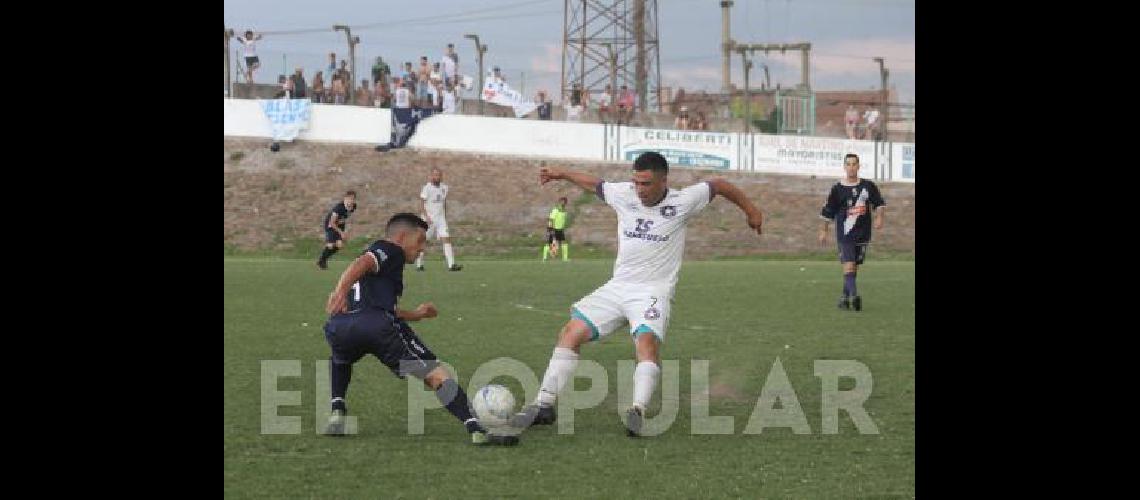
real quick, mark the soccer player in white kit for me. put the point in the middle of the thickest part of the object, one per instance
(651, 243)
(433, 204)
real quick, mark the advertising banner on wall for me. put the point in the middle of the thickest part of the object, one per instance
(685, 148)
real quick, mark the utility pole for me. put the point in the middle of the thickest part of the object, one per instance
(747, 65)
(229, 33)
(642, 73)
(725, 45)
(480, 49)
(883, 72)
(613, 69)
(352, 41)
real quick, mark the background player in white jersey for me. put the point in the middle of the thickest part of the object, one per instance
(651, 243)
(433, 203)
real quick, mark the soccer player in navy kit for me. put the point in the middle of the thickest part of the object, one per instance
(850, 204)
(334, 225)
(364, 319)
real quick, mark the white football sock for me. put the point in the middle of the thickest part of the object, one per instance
(420, 260)
(644, 381)
(562, 364)
(449, 253)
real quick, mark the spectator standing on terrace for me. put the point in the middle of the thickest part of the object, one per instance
(625, 105)
(702, 122)
(380, 70)
(332, 65)
(423, 79)
(448, 66)
(381, 97)
(318, 88)
(605, 105)
(850, 121)
(449, 100)
(249, 51)
(872, 132)
(363, 96)
(544, 107)
(574, 107)
(682, 120)
(339, 90)
(299, 90)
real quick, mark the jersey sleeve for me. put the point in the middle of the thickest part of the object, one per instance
(423, 192)
(609, 192)
(874, 197)
(385, 256)
(831, 207)
(697, 197)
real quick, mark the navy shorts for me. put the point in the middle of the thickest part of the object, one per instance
(381, 334)
(331, 236)
(555, 234)
(850, 251)
(251, 61)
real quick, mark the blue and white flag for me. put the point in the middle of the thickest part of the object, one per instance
(404, 121)
(287, 117)
(497, 92)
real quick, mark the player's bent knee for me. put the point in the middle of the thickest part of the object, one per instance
(435, 378)
(574, 333)
(646, 346)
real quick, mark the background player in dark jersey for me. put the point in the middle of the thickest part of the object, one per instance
(365, 320)
(850, 204)
(334, 226)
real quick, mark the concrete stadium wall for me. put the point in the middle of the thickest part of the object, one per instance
(816, 156)
(275, 201)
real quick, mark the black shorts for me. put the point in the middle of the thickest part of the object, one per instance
(331, 236)
(555, 234)
(381, 334)
(850, 251)
(250, 61)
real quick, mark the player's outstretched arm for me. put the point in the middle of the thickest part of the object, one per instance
(425, 310)
(583, 180)
(736, 196)
(879, 212)
(338, 299)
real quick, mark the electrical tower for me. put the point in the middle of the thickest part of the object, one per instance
(629, 27)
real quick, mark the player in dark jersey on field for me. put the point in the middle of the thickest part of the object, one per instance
(850, 204)
(365, 320)
(334, 226)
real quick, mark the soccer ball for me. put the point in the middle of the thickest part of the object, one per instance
(494, 405)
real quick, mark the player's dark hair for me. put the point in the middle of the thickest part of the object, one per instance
(351, 193)
(651, 160)
(563, 199)
(851, 155)
(404, 220)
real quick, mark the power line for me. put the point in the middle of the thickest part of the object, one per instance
(411, 21)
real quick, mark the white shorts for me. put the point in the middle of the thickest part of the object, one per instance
(643, 307)
(438, 228)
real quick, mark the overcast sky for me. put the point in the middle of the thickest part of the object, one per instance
(525, 37)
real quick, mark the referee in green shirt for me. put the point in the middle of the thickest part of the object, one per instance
(555, 232)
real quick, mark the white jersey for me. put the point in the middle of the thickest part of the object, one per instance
(433, 197)
(651, 240)
(403, 97)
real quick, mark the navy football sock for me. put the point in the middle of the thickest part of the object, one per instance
(455, 400)
(339, 375)
(849, 284)
(326, 253)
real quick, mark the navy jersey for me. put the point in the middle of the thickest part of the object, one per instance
(850, 207)
(341, 213)
(381, 286)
